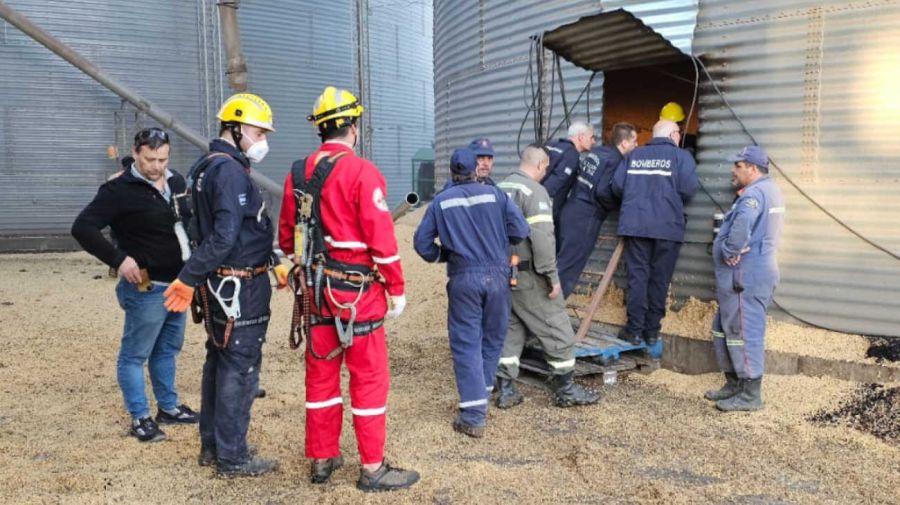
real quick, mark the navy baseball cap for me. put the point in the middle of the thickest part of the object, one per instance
(482, 147)
(462, 162)
(752, 154)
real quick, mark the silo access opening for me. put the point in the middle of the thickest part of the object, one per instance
(642, 73)
(642, 70)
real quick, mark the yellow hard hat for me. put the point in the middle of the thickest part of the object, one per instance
(335, 108)
(247, 108)
(672, 111)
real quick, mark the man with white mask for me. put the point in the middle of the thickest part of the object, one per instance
(233, 235)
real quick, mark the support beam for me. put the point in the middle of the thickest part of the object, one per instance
(167, 120)
(236, 69)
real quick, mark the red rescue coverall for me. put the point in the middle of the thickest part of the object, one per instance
(358, 230)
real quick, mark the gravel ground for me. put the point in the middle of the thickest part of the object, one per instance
(653, 439)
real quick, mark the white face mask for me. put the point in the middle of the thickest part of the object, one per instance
(257, 151)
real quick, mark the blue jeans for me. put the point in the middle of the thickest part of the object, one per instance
(152, 335)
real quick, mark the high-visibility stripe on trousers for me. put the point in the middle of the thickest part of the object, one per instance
(533, 313)
(739, 327)
(477, 317)
(367, 363)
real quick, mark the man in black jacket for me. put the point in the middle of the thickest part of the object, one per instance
(137, 206)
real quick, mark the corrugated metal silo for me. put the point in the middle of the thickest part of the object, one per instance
(480, 65)
(814, 81)
(58, 121)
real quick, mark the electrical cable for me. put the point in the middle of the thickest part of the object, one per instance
(687, 123)
(577, 101)
(529, 79)
(562, 91)
(552, 88)
(788, 178)
(781, 307)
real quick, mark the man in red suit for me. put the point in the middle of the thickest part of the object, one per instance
(336, 225)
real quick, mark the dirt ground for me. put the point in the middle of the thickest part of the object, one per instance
(653, 439)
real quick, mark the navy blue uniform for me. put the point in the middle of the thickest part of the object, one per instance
(475, 223)
(486, 180)
(751, 230)
(583, 214)
(561, 173)
(654, 183)
(235, 231)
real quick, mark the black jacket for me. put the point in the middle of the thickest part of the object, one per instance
(233, 226)
(141, 220)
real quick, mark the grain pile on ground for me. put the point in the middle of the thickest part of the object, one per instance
(652, 439)
(873, 409)
(693, 319)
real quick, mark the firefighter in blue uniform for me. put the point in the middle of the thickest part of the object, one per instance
(233, 236)
(564, 160)
(484, 156)
(654, 183)
(476, 223)
(584, 211)
(744, 255)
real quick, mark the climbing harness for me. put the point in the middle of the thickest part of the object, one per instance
(316, 272)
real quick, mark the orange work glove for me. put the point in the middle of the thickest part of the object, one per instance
(178, 296)
(281, 275)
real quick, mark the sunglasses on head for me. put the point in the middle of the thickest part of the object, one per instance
(150, 136)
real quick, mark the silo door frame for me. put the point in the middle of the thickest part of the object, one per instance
(642, 69)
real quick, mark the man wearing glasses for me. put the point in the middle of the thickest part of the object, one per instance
(564, 159)
(136, 205)
(654, 183)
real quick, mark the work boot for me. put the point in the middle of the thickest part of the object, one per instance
(627, 336)
(732, 387)
(386, 478)
(468, 429)
(320, 470)
(749, 397)
(208, 456)
(509, 396)
(567, 393)
(651, 340)
(253, 467)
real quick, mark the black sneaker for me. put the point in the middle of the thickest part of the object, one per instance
(184, 416)
(146, 431)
